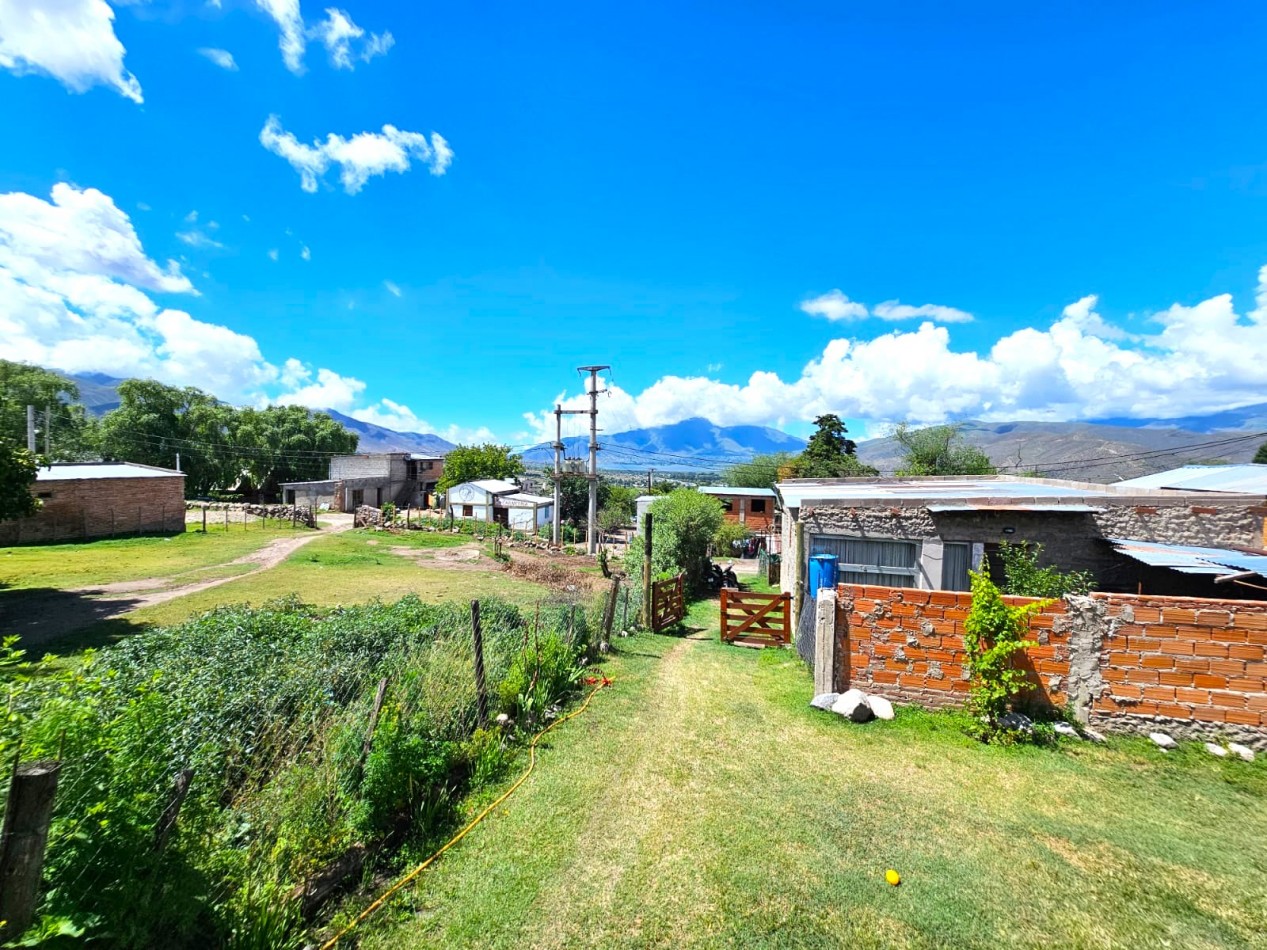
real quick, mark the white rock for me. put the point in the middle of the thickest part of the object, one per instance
(882, 708)
(1093, 735)
(1066, 730)
(1163, 741)
(1213, 749)
(853, 705)
(824, 701)
(1244, 751)
(1017, 721)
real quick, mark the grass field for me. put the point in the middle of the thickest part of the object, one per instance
(700, 802)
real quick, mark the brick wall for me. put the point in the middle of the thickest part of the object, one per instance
(1124, 662)
(100, 507)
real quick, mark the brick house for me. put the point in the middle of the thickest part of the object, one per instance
(401, 478)
(101, 499)
(754, 508)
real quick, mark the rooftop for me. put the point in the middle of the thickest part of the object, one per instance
(78, 470)
(737, 492)
(1234, 478)
(495, 486)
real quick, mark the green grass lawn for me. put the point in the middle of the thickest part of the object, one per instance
(701, 802)
(108, 561)
(354, 567)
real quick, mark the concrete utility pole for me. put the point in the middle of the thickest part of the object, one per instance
(650, 473)
(556, 533)
(591, 530)
(48, 431)
(30, 429)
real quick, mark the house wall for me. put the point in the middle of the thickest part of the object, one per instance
(101, 507)
(1191, 666)
(741, 512)
(480, 501)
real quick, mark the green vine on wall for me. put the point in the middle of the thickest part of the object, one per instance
(993, 633)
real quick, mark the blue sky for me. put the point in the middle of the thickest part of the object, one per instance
(427, 215)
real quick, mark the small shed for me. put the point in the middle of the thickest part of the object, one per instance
(501, 502)
(101, 499)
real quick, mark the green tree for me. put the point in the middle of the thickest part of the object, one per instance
(70, 427)
(761, 471)
(468, 463)
(1260, 456)
(18, 468)
(287, 444)
(940, 450)
(993, 633)
(684, 524)
(830, 453)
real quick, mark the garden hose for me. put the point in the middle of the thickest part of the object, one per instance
(600, 682)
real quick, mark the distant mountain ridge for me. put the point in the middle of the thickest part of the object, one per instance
(372, 438)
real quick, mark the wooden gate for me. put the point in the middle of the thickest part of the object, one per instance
(668, 605)
(755, 620)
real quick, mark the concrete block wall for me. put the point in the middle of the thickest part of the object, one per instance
(1193, 667)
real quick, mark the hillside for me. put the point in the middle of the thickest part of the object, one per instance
(378, 439)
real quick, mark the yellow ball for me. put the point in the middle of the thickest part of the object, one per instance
(893, 877)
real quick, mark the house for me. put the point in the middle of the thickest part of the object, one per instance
(928, 532)
(101, 499)
(402, 478)
(754, 508)
(500, 502)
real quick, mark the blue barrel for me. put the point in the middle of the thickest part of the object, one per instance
(822, 572)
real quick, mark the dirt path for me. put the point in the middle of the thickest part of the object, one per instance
(46, 618)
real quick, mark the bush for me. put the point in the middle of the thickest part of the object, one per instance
(1026, 579)
(685, 523)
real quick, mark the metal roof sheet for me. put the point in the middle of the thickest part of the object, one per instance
(958, 490)
(737, 492)
(968, 507)
(495, 486)
(78, 470)
(523, 498)
(1190, 559)
(1244, 479)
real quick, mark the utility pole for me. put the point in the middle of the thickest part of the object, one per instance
(556, 533)
(178, 461)
(591, 531)
(650, 485)
(48, 431)
(30, 429)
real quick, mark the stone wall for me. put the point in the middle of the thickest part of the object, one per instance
(100, 507)
(1194, 667)
(300, 513)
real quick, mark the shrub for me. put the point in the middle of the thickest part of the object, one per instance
(1026, 579)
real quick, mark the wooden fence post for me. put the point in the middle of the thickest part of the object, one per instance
(22, 843)
(609, 615)
(481, 689)
(204, 520)
(646, 570)
(180, 788)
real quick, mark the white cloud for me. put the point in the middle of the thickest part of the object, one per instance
(834, 306)
(392, 288)
(1199, 359)
(291, 25)
(337, 32)
(195, 238)
(306, 253)
(837, 307)
(273, 253)
(221, 57)
(71, 40)
(327, 390)
(359, 157)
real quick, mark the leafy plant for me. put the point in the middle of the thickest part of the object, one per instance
(993, 635)
(389, 513)
(1026, 579)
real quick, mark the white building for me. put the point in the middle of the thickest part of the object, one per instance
(504, 503)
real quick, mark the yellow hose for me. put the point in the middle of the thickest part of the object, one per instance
(532, 763)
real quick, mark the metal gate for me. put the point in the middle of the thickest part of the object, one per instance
(755, 620)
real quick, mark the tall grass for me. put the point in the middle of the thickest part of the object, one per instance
(270, 708)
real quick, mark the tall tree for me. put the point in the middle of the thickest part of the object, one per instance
(761, 471)
(940, 450)
(70, 434)
(17, 473)
(1261, 455)
(830, 453)
(467, 463)
(287, 444)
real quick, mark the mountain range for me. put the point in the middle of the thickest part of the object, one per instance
(1105, 450)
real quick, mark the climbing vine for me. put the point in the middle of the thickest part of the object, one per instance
(993, 633)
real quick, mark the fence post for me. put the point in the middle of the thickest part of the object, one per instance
(624, 615)
(22, 843)
(824, 641)
(609, 615)
(204, 520)
(481, 689)
(721, 615)
(646, 570)
(226, 521)
(180, 788)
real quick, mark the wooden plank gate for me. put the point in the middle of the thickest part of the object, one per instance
(755, 620)
(668, 604)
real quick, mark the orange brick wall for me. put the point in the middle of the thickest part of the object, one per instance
(101, 507)
(1170, 660)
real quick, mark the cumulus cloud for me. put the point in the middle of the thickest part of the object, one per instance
(837, 307)
(359, 157)
(338, 34)
(290, 24)
(1191, 360)
(221, 57)
(306, 252)
(392, 288)
(70, 40)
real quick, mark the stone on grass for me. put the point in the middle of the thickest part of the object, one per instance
(1214, 749)
(882, 708)
(1093, 735)
(853, 705)
(1244, 751)
(1066, 730)
(824, 701)
(1163, 741)
(1018, 721)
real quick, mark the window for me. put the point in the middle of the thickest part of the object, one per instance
(956, 559)
(44, 494)
(867, 561)
(757, 506)
(727, 505)
(468, 511)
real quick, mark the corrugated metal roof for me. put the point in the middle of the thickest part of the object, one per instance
(737, 492)
(1190, 559)
(525, 499)
(986, 506)
(951, 490)
(1245, 479)
(495, 486)
(77, 470)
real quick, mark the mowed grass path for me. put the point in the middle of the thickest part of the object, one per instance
(700, 802)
